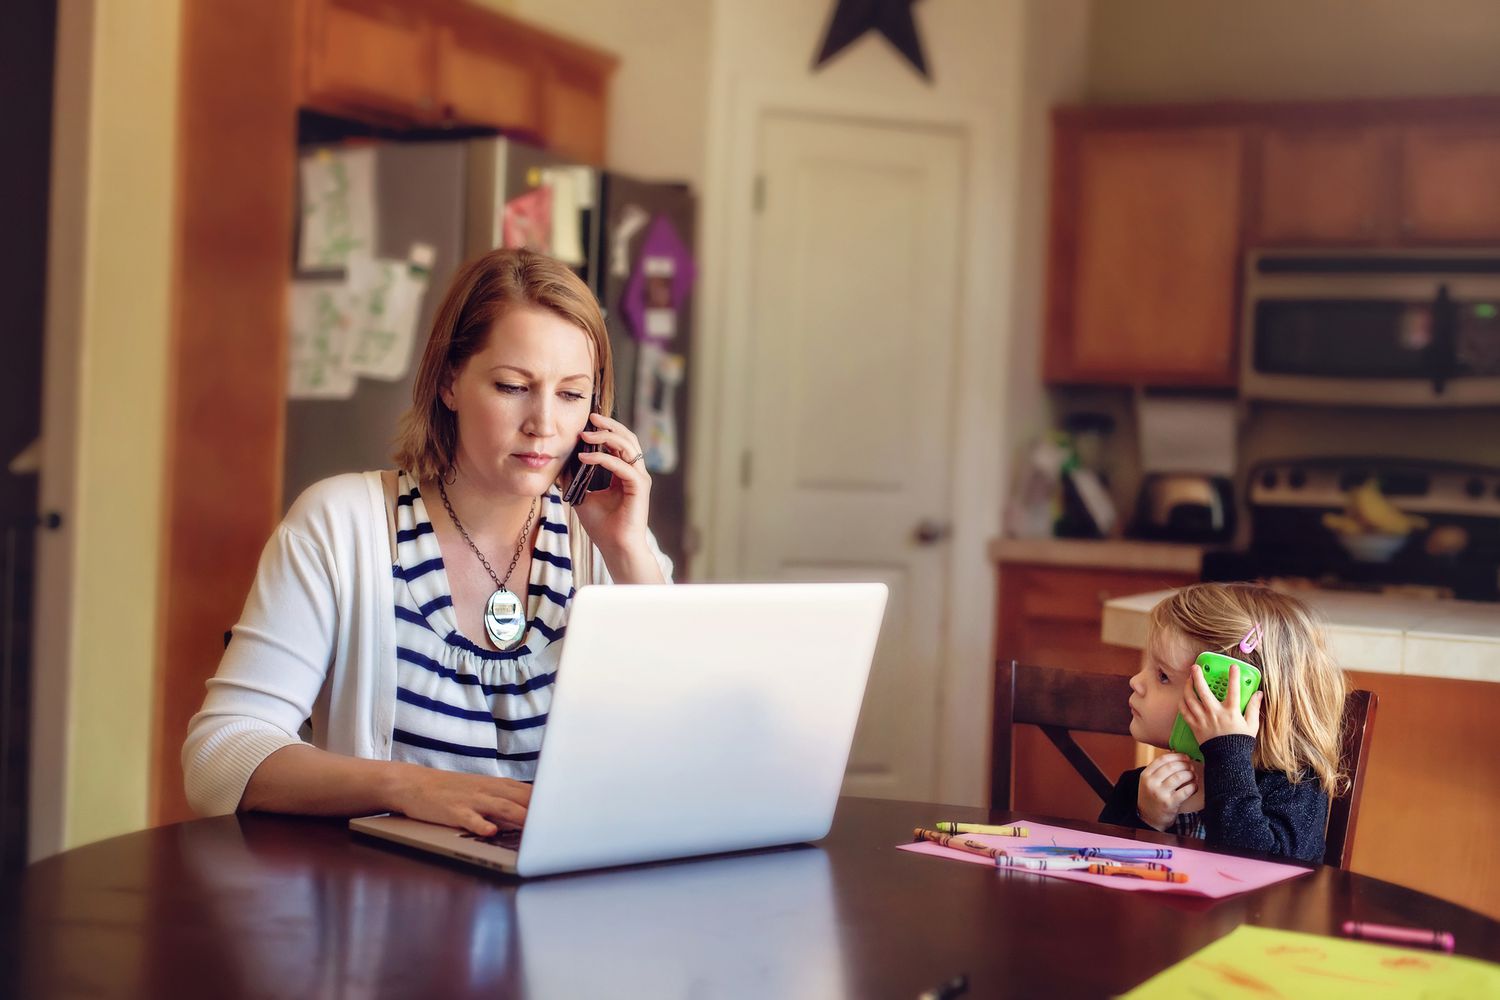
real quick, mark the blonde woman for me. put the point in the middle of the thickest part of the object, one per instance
(1267, 774)
(409, 623)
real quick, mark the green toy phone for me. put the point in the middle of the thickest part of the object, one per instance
(1216, 672)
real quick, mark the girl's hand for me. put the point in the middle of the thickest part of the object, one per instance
(1166, 784)
(615, 518)
(472, 802)
(1208, 717)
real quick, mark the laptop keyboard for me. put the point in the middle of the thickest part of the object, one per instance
(508, 839)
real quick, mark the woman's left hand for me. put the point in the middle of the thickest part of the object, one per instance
(615, 518)
(1208, 717)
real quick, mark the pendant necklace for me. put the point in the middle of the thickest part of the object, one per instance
(504, 612)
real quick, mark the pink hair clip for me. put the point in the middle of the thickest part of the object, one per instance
(1251, 640)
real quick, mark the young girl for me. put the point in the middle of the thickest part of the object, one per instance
(1266, 775)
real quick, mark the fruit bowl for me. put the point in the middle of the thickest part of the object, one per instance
(1373, 547)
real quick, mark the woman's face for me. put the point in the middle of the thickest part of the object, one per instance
(521, 401)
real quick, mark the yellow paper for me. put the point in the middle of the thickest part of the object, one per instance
(1264, 963)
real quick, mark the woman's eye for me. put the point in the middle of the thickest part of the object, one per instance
(573, 396)
(510, 390)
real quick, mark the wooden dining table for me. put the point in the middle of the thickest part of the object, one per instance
(257, 905)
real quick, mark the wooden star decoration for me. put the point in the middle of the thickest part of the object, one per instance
(892, 18)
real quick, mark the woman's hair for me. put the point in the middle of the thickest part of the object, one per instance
(482, 292)
(1302, 711)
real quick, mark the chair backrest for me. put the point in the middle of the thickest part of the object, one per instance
(1359, 727)
(1056, 701)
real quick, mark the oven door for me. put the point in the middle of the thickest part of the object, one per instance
(1407, 337)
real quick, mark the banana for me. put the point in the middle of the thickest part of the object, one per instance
(1343, 524)
(1368, 504)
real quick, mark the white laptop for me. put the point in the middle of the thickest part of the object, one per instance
(686, 720)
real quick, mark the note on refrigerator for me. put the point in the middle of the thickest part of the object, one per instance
(386, 297)
(338, 208)
(321, 318)
(1187, 434)
(572, 193)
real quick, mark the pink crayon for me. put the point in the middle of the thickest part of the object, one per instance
(1413, 936)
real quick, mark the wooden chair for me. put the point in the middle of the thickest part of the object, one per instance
(1059, 701)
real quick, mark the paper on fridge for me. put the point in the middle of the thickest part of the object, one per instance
(386, 298)
(338, 208)
(1186, 434)
(321, 316)
(572, 193)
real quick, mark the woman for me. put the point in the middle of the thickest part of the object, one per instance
(415, 619)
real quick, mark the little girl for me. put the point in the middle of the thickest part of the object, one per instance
(1266, 775)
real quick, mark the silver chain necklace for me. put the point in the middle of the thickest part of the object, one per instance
(504, 612)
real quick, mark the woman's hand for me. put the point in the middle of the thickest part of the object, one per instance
(1166, 786)
(615, 518)
(1208, 717)
(472, 802)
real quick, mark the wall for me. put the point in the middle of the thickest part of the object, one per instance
(1194, 50)
(108, 322)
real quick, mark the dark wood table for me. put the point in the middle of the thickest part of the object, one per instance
(272, 906)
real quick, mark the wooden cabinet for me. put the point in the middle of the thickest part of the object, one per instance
(1323, 186)
(446, 63)
(1146, 243)
(1450, 184)
(368, 58)
(1052, 616)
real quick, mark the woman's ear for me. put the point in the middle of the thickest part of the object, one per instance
(445, 392)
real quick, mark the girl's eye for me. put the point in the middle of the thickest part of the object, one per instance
(1162, 676)
(510, 390)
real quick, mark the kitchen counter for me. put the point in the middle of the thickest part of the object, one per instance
(1109, 553)
(1374, 633)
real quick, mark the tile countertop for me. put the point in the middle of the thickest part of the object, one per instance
(1458, 640)
(1112, 553)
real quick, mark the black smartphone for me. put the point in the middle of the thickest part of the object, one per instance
(586, 479)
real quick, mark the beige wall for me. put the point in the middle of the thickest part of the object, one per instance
(1193, 50)
(108, 328)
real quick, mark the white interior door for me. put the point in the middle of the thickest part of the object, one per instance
(850, 462)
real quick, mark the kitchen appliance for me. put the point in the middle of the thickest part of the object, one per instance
(1454, 553)
(1372, 328)
(1185, 507)
(452, 196)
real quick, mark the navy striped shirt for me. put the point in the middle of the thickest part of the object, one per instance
(461, 706)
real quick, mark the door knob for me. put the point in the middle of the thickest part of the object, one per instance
(931, 532)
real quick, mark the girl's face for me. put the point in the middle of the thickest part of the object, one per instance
(521, 401)
(1157, 688)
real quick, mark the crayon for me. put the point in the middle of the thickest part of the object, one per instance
(1413, 936)
(998, 831)
(955, 842)
(1101, 852)
(1136, 871)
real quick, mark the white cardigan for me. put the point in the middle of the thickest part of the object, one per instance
(316, 641)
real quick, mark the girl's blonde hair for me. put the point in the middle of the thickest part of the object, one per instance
(1302, 712)
(482, 292)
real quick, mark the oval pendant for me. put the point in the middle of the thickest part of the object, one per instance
(504, 618)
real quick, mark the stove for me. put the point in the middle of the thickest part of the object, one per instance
(1456, 553)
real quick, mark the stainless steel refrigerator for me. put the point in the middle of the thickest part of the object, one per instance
(452, 196)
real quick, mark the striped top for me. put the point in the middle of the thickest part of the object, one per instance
(460, 706)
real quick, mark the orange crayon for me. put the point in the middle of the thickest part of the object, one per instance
(1135, 871)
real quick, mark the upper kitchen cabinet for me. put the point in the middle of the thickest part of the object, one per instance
(490, 72)
(1145, 251)
(1322, 186)
(447, 63)
(368, 59)
(1450, 184)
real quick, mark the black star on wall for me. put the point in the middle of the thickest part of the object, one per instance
(892, 18)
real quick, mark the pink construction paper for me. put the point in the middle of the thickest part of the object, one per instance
(1212, 875)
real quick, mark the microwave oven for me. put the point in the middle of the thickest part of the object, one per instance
(1372, 328)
